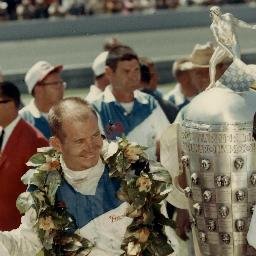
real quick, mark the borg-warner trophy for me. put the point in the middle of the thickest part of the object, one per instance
(216, 151)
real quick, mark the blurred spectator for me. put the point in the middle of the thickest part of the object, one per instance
(47, 87)
(77, 7)
(113, 6)
(111, 42)
(25, 10)
(4, 12)
(146, 5)
(166, 4)
(41, 9)
(56, 9)
(30, 9)
(18, 141)
(129, 6)
(192, 75)
(95, 6)
(149, 83)
(11, 8)
(100, 78)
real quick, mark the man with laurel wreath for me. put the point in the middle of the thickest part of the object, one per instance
(77, 189)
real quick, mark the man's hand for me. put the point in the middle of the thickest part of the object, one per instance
(182, 223)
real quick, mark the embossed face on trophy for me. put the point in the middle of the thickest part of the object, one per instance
(239, 163)
(205, 164)
(240, 195)
(240, 225)
(225, 181)
(211, 225)
(195, 179)
(218, 181)
(253, 179)
(197, 209)
(223, 211)
(185, 161)
(225, 238)
(207, 195)
(202, 237)
(222, 181)
(188, 192)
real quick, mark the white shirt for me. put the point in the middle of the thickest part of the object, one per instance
(149, 131)
(251, 236)
(85, 181)
(179, 97)
(8, 131)
(32, 108)
(94, 93)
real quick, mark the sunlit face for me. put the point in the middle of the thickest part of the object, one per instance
(82, 144)
(52, 88)
(126, 77)
(8, 111)
(200, 78)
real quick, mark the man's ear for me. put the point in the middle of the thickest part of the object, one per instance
(56, 143)
(108, 72)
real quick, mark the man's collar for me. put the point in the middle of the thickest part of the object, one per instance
(33, 109)
(9, 129)
(138, 95)
(85, 181)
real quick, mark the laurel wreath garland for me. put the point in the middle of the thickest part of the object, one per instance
(144, 185)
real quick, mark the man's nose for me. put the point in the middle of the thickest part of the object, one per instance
(134, 76)
(90, 144)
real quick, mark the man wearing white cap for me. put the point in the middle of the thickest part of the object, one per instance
(47, 87)
(101, 80)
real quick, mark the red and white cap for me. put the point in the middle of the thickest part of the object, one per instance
(38, 72)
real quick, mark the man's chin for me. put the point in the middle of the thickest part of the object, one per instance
(90, 163)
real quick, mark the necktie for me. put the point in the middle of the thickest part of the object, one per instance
(1, 139)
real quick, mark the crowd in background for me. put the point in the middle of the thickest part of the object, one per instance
(35, 9)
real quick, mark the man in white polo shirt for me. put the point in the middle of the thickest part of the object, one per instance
(124, 110)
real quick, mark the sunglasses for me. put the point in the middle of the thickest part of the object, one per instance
(4, 101)
(55, 83)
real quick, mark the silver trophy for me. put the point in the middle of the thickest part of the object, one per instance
(214, 141)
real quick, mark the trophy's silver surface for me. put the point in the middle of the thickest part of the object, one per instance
(218, 153)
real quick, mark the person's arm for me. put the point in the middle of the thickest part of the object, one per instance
(24, 240)
(242, 24)
(251, 237)
(162, 123)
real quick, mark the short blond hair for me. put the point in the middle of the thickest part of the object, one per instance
(71, 109)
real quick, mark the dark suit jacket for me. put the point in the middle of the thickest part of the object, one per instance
(21, 145)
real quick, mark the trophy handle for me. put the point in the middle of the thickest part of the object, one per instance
(169, 159)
